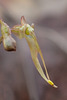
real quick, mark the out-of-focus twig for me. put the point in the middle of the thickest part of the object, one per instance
(28, 72)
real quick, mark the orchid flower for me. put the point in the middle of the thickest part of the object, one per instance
(26, 31)
(8, 42)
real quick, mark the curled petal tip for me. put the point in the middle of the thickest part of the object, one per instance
(23, 20)
(32, 25)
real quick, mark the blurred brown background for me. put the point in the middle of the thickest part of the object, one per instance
(19, 79)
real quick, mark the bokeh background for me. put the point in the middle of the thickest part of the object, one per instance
(19, 79)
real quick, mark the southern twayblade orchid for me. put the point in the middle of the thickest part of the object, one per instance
(26, 31)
